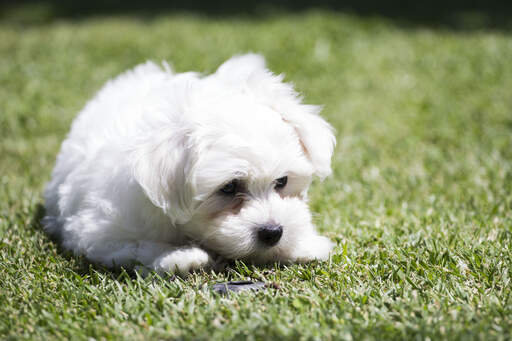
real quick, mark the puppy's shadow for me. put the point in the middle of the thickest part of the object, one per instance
(234, 270)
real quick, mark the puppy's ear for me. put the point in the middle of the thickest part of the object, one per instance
(161, 166)
(240, 68)
(315, 134)
(249, 73)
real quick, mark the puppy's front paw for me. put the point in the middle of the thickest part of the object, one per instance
(182, 261)
(313, 248)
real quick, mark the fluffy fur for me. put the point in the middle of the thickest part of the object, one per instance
(138, 179)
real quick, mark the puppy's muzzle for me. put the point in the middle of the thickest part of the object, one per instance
(269, 234)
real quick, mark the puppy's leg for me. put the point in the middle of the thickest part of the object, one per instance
(182, 260)
(312, 247)
(160, 257)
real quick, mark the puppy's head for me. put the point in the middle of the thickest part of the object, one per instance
(233, 170)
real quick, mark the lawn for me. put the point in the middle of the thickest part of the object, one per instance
(419, 203)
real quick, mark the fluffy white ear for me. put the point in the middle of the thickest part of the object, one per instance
(161, 165)
(248, 72)
(240, 68)
(315, 135)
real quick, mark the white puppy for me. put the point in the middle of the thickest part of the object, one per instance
(176, 172)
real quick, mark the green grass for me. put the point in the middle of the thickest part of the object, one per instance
(419, 203)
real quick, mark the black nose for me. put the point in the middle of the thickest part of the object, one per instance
(270, 234)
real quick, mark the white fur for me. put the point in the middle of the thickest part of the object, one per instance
(137, 179)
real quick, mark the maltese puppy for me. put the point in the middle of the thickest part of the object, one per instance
(179, 172)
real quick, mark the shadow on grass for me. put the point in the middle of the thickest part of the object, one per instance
(457, 15)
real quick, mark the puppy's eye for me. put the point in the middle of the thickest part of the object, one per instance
(231, 187)
(281, 182)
